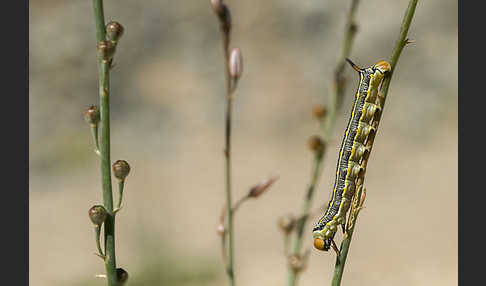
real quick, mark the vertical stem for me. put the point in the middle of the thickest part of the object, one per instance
(327, 125)
(104, 89)
(400, 44)
(227, 152)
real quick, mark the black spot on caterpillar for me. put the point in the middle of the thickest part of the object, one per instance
(351, 152)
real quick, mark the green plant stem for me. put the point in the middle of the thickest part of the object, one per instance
(227, 152)
(327, 126)
(121, 184)
(97, 237)
(316, 171)
(94, 134)
(399, 45)
(104, 90)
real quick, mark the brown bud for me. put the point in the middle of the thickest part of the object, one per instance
(121, 276)
(286, 223)
(235, 63)
(220, 229)
(114, 31)
(97, 214)
(260, 188)
(92, 115)
(106, 50)
(225, 19)
(319, 111)
(316, 144)
(298, 262)
(217, 6)
(121, 169)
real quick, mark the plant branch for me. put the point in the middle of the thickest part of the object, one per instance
(357, 205)
(327, 126)
(104, 91)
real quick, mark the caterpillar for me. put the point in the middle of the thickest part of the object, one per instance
(351, 152)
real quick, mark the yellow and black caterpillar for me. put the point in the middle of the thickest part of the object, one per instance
(351, 152)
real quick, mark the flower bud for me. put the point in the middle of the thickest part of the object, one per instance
(315, 143)
(220, 229)
(121, 276)
(217, 6)
(297, 262)
(286, 223)
(260, 188)
(319, 111)
(114, 31)
(106, 50)
(97, 214)
(235, 63)
(92, 115)
(121, 168)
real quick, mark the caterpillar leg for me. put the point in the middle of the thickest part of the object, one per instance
(335, 248)
(369, 111)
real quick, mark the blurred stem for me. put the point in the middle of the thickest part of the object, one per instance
(399, 45)
(227, 153)
(327, 126)
(104, 90)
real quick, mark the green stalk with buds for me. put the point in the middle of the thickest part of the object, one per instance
(107, 37)
(360, 195)
(326, 116)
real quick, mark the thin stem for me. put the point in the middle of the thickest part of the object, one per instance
(94, 134)
(316, 171)
(104, 90)
(400, 44)
(121, 184)
(227, 152)
(98, 243)
(327, 126)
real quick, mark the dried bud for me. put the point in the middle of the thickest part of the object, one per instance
(316, 144)
(92, 115)
(217, 6)
(114, 31)
(220, 229)
(97, 214)
(106, 50)
(225, 19)
(235, 63)
(298, 262)
(286, 223)
(121, 276)
(260, 188)
(121, 169)
(319, 111)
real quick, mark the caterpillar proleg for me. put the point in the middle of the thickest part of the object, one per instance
(351, 152)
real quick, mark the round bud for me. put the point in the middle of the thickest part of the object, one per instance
(286, 223)
(106, 50)
(316, 144)
(121, 276)
(217, 6)
(114, 31)
(297, 263)
(220, 229)
(319, 111)
(97, 214)
(121, 168)
(235, 63)
(92, 115)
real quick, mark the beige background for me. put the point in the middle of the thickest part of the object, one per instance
(167, 121)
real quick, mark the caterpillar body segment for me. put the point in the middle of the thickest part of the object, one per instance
(351, 152)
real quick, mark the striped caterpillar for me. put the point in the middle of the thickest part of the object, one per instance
(351, 152)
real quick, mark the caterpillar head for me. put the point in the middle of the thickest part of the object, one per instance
(382, 66)
(320, 242)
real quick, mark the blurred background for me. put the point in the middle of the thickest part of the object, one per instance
(167, 121)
